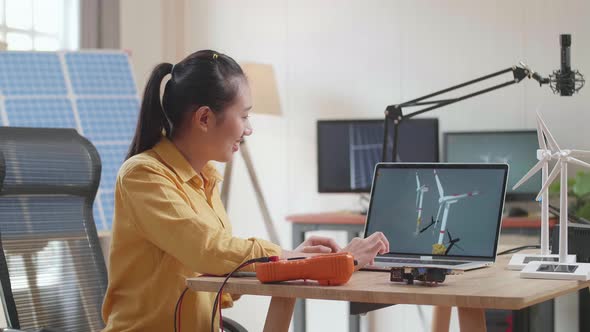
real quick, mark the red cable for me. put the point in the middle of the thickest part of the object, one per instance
(220, 316)
(218, 299)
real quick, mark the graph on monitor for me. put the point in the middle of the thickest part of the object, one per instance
(348, 150)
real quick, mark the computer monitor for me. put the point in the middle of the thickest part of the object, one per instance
(516, 148)
(348, 150)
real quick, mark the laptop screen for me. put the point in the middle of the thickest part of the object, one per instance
(438, 209)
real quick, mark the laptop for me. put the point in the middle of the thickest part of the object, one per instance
(443, 215)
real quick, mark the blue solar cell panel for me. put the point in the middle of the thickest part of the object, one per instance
(100, 74)
(108, 119)
(97, 89)
(112, 157)
(40, 112)
(27, 73)
(108, 203)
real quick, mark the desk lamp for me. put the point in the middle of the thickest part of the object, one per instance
(265, 97)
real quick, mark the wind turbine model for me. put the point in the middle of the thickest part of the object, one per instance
(562, 269)
(544, 155)
(444, 203)
(420, 190)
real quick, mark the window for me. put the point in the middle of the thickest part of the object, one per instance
(40, 25)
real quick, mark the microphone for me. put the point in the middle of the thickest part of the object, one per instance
(566, 81)
(565, 41)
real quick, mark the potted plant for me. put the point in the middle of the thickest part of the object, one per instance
(578, 194)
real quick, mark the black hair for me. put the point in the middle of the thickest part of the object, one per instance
(204, 78)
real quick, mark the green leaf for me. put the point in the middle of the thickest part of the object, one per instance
(584, 211)
(582, 184)
(556, 186)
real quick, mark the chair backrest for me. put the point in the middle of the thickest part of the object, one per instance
(51, 266)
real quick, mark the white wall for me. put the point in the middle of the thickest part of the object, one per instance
(350, 59)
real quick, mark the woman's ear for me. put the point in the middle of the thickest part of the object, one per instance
(202, 118)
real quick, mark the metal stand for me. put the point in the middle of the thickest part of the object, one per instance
(394, 113)
(269, 225)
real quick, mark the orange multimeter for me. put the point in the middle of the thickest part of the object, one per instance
(328, 269)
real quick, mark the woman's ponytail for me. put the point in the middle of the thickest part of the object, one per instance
(152, 119)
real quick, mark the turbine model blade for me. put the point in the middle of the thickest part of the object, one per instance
(580, 153)
(530, 173)
(540, 135)
(552, 142)
(441, 191)
(578, 162)
(552, 176)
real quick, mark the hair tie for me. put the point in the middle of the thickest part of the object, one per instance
(215, 56)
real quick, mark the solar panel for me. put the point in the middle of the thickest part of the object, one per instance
(40, 112)
(112, 156)
(107, 120)
(91, 91)
(89, 77)
(31, 74)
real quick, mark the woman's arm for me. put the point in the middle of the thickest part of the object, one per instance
(363, 250)
(157, 208)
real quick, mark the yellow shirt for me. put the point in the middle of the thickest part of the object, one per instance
(169, 224)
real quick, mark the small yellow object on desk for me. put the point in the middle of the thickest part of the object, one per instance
(438, 249)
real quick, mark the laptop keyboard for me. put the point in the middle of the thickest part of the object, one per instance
(423, 261)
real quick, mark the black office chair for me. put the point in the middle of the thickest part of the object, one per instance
(51, 266)
(52, 269)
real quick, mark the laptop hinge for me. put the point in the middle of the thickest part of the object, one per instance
(426, 257)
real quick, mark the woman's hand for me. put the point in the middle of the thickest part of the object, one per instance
(365, 250)
(318, 245)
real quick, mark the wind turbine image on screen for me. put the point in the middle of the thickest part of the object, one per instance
(420, 190)
(365, 152)
(444, 206)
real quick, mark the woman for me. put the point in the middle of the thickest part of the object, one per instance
(169, 222)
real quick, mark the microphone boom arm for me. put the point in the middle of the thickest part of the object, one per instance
(394, 113)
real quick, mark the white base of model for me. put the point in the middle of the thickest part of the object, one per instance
(519, 261)
(551, 270)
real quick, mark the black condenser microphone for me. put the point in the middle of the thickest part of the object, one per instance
(565, 41)
(566, 81)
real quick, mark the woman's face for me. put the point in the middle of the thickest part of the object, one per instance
(232, 125)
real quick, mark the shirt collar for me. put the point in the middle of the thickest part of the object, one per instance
(172, 157)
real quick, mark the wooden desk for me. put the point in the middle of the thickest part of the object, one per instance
(472, 292)
(351, 223)
(354, 224)
(344, 218)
